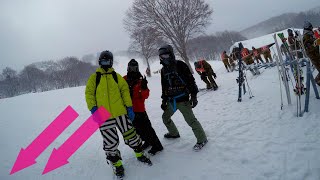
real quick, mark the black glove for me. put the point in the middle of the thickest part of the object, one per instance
(214, 75)
(164, 105)
(144, 83)
(193, 101)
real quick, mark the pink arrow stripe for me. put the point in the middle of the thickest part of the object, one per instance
(28, 156)
(60, 156)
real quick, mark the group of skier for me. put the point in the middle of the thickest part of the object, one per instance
(124, 97)
(296, 46)
(249, 57)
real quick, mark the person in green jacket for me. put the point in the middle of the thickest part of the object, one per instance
(108, 89)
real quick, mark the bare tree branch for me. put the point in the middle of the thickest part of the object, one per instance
(176, 20)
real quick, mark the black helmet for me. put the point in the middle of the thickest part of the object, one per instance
(166, 55)
(106, 59)
(307, 26)
(133, 66)
(253, 47)
(240, 46)
(290, 32)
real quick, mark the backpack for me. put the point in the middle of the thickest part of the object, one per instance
(177, 86)
(98, 77)
(199, 66)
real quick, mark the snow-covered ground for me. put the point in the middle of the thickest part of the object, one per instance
(251, 140)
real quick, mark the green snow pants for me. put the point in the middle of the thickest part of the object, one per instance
(186, 110)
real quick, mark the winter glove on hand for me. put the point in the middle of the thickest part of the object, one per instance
(214, 75)
(164, 105)
(94, 109)
(130, 113)
(193, 101)
(144, 83)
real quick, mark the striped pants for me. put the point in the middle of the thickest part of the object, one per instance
(111, 139)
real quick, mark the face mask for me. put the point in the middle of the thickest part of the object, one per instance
(165, 59)
(133, 69)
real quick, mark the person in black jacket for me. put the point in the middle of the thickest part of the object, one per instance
(179, 91)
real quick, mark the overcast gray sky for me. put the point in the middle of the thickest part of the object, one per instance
(38, 30)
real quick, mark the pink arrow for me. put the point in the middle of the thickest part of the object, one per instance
(27, 157)
(59, 157)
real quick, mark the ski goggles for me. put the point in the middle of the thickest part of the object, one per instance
(133, 69)
(105, 62)
(164, 56)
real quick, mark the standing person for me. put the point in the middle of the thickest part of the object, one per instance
(206, 72)
(265, 50)
(232, 60)
(257, 55)
(178, 85)
(225, 59)
(108, 89)
(312, 49)
(148, 72)
(294, 44)
(284, 52)
(246, 56)
(139, 93)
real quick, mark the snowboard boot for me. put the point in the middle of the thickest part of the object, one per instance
(215, 86)
(209, 86)
(199, 146)
(142, 158)
(118, 169)
(169, 136)
(154, 150)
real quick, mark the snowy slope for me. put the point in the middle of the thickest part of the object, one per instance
(251, 140)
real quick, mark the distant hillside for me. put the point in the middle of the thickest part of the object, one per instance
(283, 21)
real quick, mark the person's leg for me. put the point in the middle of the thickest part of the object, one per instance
(131, 138)
(167, 121)
(212, 81)
(205, 79)
(229, 66)
(138, 123)
(147, 130)
(225, 65)
(110, 145)
(315, 60)
(186, 110)
(270, 57)
(266, 58)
